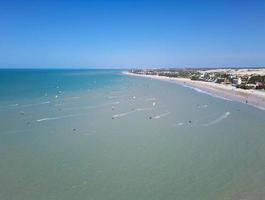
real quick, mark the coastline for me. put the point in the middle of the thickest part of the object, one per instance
(251, 97)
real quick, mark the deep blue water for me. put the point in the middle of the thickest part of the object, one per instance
(30, 83)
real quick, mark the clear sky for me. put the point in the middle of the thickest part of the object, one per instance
(112, 33)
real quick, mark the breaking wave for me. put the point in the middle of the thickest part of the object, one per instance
(205, 92)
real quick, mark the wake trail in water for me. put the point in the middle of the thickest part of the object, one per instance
(16, 105)
(35, 104)
(76, 115)
(142, 109)
(151, 99)
(116, 96)
(161, 115)
(179, 124)
(123, 114)
(129, 112)
(60, 117)
(72, 98)
(93, 107)
(13, 105)
(219, 119)
(15, 131)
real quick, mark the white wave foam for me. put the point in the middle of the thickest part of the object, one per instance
(219, 119)
(205, 92)
(256, 106)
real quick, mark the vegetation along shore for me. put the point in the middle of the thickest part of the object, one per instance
(243, 85)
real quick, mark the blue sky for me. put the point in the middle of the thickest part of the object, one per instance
(155, 33)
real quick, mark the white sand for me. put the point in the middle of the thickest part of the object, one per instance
(252, 97)
(240, 72)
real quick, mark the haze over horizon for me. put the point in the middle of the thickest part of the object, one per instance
(126, 34)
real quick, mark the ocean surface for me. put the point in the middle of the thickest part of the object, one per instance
(100, 134)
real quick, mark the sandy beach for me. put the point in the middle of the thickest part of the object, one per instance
(251, 97)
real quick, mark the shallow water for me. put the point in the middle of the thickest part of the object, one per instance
(99, 134)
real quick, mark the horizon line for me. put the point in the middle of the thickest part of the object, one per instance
(126, 68)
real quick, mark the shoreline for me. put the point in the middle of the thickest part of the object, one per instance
(227, 92)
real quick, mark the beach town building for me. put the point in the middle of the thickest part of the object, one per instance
(240, 78)
(236, 81)
(220, 80)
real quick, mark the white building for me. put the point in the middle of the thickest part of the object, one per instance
(237, 81)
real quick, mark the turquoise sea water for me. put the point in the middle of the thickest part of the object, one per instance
(99, 134)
